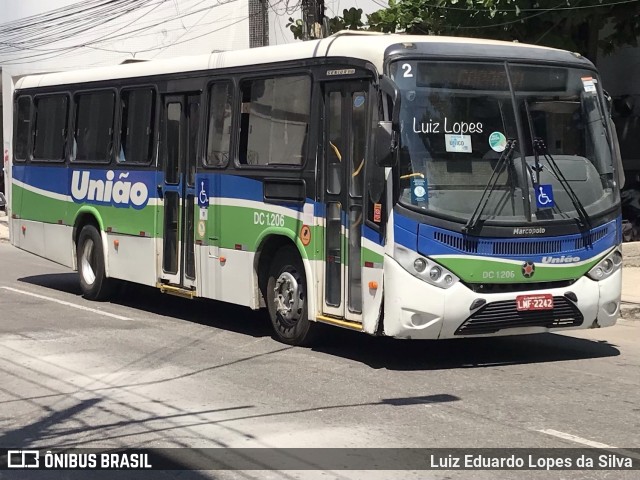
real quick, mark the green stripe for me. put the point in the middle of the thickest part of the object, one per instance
(235, 224)
(475, 270)
(40, 208)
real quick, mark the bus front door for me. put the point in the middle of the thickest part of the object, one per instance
(179, 152)
(345, 108)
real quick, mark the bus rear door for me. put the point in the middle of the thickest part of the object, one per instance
(181, 117)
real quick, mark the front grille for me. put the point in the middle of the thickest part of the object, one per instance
(496, 316)
(459, 242)
(517, 246)
(528, 247)
(592, 237)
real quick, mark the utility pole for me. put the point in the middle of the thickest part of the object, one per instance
(313, 19)
(258, 23)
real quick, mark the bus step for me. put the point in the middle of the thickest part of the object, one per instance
(341, 322)
(177, 291)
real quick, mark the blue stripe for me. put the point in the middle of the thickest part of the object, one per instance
(437, 241)
(51, 179)
(370, 234)
(58, 179)
(430, 240)
(405, 231)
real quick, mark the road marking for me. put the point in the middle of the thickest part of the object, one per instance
(589, 443)
(68, 304)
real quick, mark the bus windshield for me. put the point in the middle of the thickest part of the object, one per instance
(459, 120)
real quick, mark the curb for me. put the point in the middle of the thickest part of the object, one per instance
(630, 311)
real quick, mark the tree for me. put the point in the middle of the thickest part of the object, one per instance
(578, 25)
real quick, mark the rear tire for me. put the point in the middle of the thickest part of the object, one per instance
(91, 265)
(286, 296)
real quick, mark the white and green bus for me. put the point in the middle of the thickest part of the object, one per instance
(410, 186)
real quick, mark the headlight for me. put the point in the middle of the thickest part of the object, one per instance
(434, 273)
(605, 267)
(423, 268)
(420, 265)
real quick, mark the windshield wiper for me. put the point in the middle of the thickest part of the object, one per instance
(540, 147)
(505, 157)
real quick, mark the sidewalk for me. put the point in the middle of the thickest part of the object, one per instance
(4, 227)
(631, 273)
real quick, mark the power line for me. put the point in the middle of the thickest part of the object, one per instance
(59, 27)
(46, 54)
(62, 51)
(187, 30)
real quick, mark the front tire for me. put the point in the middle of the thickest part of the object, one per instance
(287, 299)
(91, 265)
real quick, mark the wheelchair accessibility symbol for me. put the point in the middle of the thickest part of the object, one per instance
(544, 196)
(203, 194)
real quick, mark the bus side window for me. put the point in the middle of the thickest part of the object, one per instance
(50, 127)
(275, 120)
(94, 126)
(219, 134)
(137, 121)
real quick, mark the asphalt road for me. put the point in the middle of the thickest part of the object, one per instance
(150, 370)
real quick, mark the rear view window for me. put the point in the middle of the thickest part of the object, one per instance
(23, 126)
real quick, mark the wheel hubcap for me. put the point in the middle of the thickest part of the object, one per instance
(87, 262)
(288, 298)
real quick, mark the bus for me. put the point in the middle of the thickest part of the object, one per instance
(417, 187)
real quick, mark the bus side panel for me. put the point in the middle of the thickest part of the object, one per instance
(238, 220)
(58, 244)
(41, 202)
(130, 228)
(236, 268)
(132, 258)
(15, 202)
(372, 279)
(31, 236)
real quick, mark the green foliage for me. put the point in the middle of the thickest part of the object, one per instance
(296, 28)
(568, 24)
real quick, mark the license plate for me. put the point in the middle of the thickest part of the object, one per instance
(534, 302)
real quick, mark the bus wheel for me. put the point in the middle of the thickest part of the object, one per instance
(287, 298)
(90, 260)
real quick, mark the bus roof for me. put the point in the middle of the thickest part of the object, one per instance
(367, 46)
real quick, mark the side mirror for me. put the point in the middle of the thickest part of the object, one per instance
(386, 145)
(618, 158)
(389, 87)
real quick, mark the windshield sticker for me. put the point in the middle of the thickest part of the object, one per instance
(418, 190)
(458, 143)
(497, 141)
(544, 196)
(589, 84)
(459, 128)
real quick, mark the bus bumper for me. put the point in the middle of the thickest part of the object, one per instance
(418, 310)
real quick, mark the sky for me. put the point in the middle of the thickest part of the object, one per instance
(161, 29)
